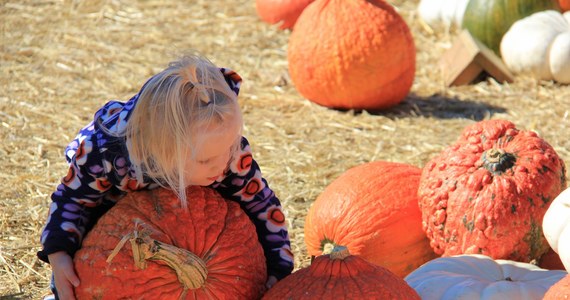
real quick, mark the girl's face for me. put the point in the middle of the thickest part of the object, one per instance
(213, 154)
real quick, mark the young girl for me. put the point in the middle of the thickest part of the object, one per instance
(182, 128)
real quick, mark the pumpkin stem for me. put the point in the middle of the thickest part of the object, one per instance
(339, 252)
(498, 161)
(190, 269)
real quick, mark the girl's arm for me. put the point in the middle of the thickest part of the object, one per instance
(244, 183)
(76, 203)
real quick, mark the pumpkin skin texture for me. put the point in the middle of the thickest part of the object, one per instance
(489, 20)
(215, 230)
(539, 44)
(556, 226)
(284, 12)
(559, 291)
(488, 192)
(341, 276)
(371, 209)
(479, 277)
(352, 54)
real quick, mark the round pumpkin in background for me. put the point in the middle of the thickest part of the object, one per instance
(564, 5)
(559, 291)
(539, 45)
(489, 20)
(341, 276)
(352, 54)
(479, 277)
(371, 209)
(147, 244)
(487, 193)
(282, 12)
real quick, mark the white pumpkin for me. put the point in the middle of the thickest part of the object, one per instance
(539, 45)
(479, 277)
(556, 226)
(442, 12)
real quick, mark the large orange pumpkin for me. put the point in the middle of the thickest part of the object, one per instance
(372, 209)
(209, 250)
(341, 276)
(559, 291)
(282, 12)
(352, 54)
(488, 192)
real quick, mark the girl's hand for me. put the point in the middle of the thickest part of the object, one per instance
(64, 275)
(271, 280)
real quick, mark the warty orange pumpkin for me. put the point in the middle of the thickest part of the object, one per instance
(340, 275)
(372, 209)
(208, 251)
(352, 54)
(487, 193)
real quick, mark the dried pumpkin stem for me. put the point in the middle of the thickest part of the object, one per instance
(339, 252)
(190, 269)
(498, 161)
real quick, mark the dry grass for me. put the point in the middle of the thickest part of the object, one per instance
(61, 60)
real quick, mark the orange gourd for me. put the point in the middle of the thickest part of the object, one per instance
(352, 54)
(372, 209)
(341, 276)
(282, 12)
(487, 193)
(209, 250)
(559, 291)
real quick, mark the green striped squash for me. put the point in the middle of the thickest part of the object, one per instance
(489, 20)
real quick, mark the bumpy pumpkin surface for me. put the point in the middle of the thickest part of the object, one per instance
(282, 12)
(372, 209)
(216, 231)
(479, 277)
(488, 192)
(348, 54)
(559, 291)
(341, 276)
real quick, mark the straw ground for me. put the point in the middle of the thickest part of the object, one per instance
(61, 59)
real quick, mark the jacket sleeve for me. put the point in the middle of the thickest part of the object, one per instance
(76, 203)
(244, 183)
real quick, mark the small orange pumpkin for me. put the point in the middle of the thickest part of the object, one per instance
(208, 251)
(352, 54)
(559, 291)
(282, 12)
(341, 276)
(372, 209)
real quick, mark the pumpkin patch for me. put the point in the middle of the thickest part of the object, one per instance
(447, 13)
(174, 253)
(488, 192)
(371, 209)
(356, 54)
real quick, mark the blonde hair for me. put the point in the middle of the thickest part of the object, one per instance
(173, 109)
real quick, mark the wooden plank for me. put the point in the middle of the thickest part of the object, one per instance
(468, 58)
